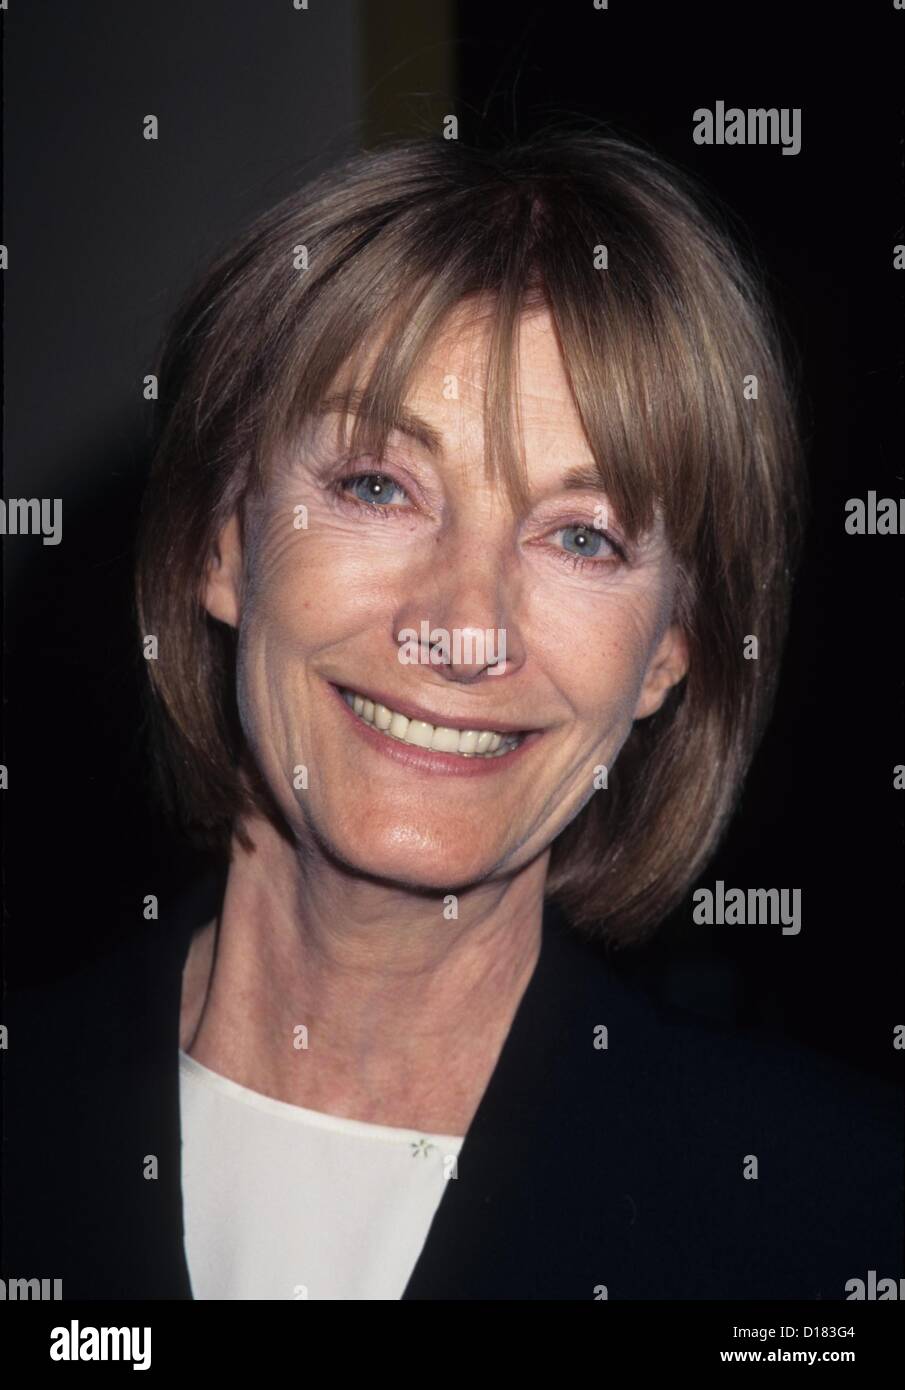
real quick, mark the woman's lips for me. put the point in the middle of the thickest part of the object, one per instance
(413, 741)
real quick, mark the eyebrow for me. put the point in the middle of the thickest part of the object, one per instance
(583, 478)
(405, 421)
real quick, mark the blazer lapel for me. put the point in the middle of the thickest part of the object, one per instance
(489, 1233)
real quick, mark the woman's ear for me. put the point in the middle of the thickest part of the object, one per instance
(223, 577)
(666, 668)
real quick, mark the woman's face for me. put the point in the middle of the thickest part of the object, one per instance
(538, 627)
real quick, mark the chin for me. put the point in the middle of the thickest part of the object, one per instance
(415, 857)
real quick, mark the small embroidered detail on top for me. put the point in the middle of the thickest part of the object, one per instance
(423, 1146)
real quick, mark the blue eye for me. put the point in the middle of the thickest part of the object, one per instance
(374, 488)
(583, 540)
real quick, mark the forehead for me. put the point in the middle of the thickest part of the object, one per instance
(452, 382)
(449, 390)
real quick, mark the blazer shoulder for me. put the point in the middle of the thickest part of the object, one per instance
(817, 1120)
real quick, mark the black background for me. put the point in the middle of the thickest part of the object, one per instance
(86, 205)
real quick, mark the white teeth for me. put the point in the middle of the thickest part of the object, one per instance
(468, 743)
(419, 732)
(398, 725)
(445, 740)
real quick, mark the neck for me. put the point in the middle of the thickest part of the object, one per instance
(405, 1008)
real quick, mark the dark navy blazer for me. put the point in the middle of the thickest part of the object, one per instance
(587, 1171)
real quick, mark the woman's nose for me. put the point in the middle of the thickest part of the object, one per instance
(461, 619)
(464, 653)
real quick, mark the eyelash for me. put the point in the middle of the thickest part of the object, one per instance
(340, 488)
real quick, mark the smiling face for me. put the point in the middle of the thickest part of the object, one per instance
(549, 638)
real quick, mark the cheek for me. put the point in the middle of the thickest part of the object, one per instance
(308, 591)
(302, 585)
(329, 578)
(597, 647)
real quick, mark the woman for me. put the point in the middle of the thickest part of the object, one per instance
(477, 476)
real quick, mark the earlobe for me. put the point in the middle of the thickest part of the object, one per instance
(222, 580)
(667, 667)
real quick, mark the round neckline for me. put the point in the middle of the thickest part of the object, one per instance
(363, 1129)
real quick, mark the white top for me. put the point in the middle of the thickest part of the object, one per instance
(287, 1203)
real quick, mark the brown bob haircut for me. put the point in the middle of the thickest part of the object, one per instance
(683, 388)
